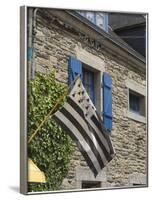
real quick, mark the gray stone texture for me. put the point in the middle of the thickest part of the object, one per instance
(53, 46)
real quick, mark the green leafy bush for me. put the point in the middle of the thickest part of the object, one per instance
(51, 148)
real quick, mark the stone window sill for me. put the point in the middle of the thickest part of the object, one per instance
(136, 117)
(85, 174)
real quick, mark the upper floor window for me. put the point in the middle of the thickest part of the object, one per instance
(98, 18)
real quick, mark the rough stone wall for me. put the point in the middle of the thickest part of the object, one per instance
(53, 46)
(128, 136)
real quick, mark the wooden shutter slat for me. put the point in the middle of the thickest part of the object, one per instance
(107, 101)
(75, 68)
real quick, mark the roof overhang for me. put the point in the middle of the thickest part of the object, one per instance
(110, 44)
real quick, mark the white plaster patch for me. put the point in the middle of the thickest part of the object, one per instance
(136, 87)
(137, 178)
(89, 59)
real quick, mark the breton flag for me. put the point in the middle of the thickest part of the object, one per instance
(79, 118)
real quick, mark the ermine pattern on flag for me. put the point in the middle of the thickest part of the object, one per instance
(79, 118)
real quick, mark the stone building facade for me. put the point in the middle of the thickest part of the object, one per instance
(59, 34)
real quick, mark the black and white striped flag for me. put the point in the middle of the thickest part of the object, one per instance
(78, 117)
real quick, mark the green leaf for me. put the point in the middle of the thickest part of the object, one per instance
(51, 148)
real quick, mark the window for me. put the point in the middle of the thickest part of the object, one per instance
(90, 184)
(136, 101)
(137, 179)
(91, 16)
(85, 179)
(98, 18)
(88, 82)
(92, 77)
(138, 184)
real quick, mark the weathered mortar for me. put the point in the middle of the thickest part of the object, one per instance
(53, 46)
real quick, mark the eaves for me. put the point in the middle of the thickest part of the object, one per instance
(143, 24)
(114, 45)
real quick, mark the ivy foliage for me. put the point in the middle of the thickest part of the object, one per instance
(51, 148)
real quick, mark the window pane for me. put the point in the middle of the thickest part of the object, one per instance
(88, 81)
(90, 16)
(83, 13)
(91, 184)
(134, 102)
(99, 20)
(100, 13)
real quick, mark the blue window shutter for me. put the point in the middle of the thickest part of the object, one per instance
(75, 68)
(107, 101)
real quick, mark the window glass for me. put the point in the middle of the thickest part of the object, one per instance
(136, 103)
(91, 184)
(90, 16)
(100, 20)
(83, 13)
(88, 82)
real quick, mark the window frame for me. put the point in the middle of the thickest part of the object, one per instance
(91, 183)
(92, 85)
(97, 65)
(95, 13)
(98, 102)
(137, 179)
(141, 92)
(134, 95)
(84, 174)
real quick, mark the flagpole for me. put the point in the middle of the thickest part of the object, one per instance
(49, 115)
(51, 111)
